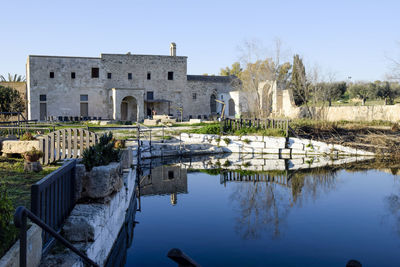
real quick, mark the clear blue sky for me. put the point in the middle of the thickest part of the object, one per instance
(350, 38)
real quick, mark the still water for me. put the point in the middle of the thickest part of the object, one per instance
(318, 217)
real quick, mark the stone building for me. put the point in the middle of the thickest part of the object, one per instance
(124, 87)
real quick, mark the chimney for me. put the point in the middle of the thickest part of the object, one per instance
(172, 50)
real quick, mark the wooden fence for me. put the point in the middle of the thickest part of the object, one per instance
(237, 124)
(66, 143)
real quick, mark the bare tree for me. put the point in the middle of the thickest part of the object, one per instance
(394, 66)
(257, 69)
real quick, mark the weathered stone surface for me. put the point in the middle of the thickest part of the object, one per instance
(151, 122)
(19, 147)
(101, 181)
(32, 166)
(34, 251)
(80, 172)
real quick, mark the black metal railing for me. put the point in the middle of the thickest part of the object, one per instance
(20, 221)
(53, 198)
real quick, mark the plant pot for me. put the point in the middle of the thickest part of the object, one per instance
(31, 158)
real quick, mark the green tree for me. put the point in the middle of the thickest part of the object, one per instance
(10, 100)
(12, 78)
(363, 91)
(298, 83)
(386, 91)
(234, 70)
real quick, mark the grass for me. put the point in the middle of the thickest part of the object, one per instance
(18, 182)
(18, 186)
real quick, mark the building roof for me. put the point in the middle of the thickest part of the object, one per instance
(205, 78)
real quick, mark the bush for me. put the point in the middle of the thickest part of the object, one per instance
(33, 155)
(101, 154)
(209, 129)
(27, 136)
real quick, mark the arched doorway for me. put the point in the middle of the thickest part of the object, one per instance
(129, 109)
(231, 107)
(213, 104)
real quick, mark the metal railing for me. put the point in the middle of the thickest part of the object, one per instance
(20, 221)
(21, 129)
(181, 258)
(53, 198)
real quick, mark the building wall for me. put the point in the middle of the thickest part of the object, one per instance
(63, 93)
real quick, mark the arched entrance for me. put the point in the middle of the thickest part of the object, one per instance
(129, 109)
(213, 104)
(231, 107)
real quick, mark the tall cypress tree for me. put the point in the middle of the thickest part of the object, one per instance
(298, 82)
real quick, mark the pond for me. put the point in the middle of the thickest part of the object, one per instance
(314, 217)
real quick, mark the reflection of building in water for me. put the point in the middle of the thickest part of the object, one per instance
(165, 180)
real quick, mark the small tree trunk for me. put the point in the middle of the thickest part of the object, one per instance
(363, 101)
(329, 102)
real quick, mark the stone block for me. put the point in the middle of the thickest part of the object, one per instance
(255, 144)
(193, 121)
(274, 142)
(101, 181)
(19, 147)
(151, 122)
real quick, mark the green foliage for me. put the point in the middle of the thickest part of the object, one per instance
(10, 100)
(227, 163)
(102, 153)
(12, 78)
(8, 232)
(235, 70)
(298, 83)
(246, 141)
(27, 136)
(227, 140)
(246, 164)
(259, 131)
(208, 129)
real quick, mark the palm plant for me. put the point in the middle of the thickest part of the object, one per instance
(12, 78)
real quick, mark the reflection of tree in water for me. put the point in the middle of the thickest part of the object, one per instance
(392, 205)
(264, 206)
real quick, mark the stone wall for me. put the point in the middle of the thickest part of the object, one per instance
(337, 113)
(34, 250)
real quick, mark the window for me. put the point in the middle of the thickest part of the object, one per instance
(95, 72)
(129, 76)
(170, 75)
(42, 97)
(84, 98)
(194, 96)
(149, 76)
(150, 95)
(52, 74)
(109, 75)
(170, 174)
(72, 75)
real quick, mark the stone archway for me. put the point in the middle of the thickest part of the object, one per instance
(129, 109)
(231, 104)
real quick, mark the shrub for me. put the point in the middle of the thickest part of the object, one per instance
(227, 141)
(209, 129)
(246, 141)
(395, 127)
(119, 144)
(27, 136)
(101, 154)
(33, 155)
(227, 163)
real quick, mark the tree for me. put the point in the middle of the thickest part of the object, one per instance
(235, 70)
(298, 83)
(253, 71)
(10, 100)
(12, 78)
(330, 91)
(386, 91)
(362, 90)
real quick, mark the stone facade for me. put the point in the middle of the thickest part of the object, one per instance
(122, 87)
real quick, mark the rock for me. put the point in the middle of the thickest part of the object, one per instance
(32, 166)
(102, 181)
(19, 147)
(80, 172)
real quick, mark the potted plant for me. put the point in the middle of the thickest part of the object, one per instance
(33, 155)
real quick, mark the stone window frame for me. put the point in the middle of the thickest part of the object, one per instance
(170, 76)
(150, 93)
(51, 74)
(130, 76)
(73, 75)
